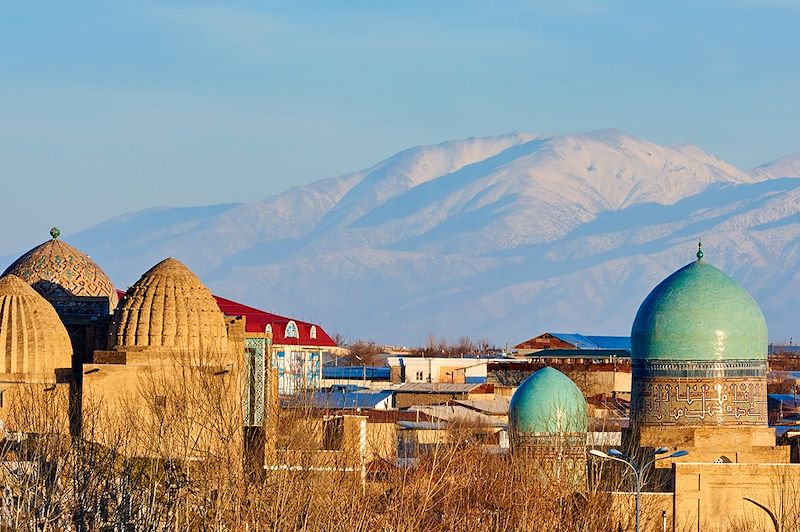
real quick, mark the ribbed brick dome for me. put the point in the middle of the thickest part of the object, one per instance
(57, 270)
(33, 341)
(169, 307)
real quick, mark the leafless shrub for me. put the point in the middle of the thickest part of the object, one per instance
(176, 464)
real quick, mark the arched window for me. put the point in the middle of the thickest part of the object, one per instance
(268, 328)
(291, 330)
(313, 332)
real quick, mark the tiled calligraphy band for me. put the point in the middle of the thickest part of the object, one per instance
(700, 393)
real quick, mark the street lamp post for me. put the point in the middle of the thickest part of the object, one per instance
(638, 467)
(363, 370)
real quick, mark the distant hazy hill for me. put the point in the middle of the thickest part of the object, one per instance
(501, 237)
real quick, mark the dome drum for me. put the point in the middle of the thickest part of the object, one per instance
(666, 396)
(548, 420)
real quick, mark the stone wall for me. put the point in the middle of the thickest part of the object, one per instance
(736, 496)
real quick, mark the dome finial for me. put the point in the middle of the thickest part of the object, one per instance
(699, 250)
(55, 233)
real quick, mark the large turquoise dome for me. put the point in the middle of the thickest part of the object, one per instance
(547, 402)
(698, 313)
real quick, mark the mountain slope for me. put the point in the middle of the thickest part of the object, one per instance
(784, 167)
(501, 237)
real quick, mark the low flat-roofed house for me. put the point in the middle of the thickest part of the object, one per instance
(453, 421)
(491, 407)
(342, 398)
(426, 393)
(372, 377)
(453, 370)
(456, 413)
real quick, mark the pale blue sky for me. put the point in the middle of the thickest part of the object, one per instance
(111, 107)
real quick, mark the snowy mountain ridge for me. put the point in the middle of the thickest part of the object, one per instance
(500, 237)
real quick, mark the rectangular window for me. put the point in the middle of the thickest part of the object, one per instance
(160, 403)
(332, 434)
(313, 372)
(419, 375)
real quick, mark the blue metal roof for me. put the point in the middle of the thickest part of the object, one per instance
(780, 430)
(345, 388)
(348, 400)
(595, 342)
(789, 349)
(373, 373)
(578, 340)
(785, 398)
(611, 342)
(422, 425)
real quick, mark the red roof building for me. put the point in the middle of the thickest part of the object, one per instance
(256, 321)
(295, 353)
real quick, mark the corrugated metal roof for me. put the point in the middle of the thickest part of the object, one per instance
(611, 342)
(356, 372)
(775, 349)
(787, 399)
(436, 387)
(580, 353)
(780, 430)
(497, 407)
(454, 413)
(578, 340)
(421, 425)
(257, 320)
(595, 342)
(348, 400)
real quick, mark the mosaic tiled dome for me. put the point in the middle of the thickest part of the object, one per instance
(169, 307)
(33, 341)
(57, 270)
(547, 402)
(699, 313)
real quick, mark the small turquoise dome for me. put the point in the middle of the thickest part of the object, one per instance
(547, 402)
(699, 313)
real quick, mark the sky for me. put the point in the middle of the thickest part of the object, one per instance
(113, 107)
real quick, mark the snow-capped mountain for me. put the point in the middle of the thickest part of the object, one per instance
(785, 166)
(499, 237)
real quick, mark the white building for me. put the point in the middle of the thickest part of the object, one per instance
(470, 369)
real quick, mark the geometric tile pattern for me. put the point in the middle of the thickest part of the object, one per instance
(58, 271)
(255, 371)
